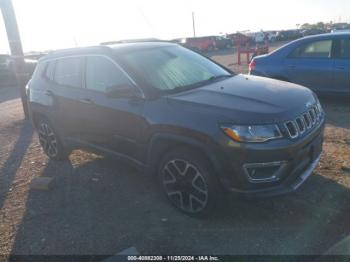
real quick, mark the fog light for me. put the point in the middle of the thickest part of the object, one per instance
(264, 172)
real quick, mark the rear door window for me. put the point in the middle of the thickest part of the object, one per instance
(68, 72)
(318, 49)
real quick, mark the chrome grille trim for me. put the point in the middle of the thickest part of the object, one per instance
(313, 116)
(301, 124)
(306, 121)
(292, 133)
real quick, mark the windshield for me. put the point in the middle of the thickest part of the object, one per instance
(173, 68)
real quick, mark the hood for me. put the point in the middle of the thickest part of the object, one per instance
(247, 99)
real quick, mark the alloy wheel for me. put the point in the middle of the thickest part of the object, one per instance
(48, 140)
(185, 186)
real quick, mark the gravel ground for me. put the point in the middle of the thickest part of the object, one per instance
(100, 206)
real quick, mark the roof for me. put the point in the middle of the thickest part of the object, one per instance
(106, 49)
(326, 35)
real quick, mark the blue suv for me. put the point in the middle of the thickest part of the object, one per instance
(320, 62)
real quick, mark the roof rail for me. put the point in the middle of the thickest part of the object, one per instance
(67, 50)
(132, 41)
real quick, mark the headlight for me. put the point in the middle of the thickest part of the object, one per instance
(253, 133)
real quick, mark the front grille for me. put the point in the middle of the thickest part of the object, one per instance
(304, 122)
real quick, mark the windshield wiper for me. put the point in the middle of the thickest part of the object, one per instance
(218, 77)
(198, 84)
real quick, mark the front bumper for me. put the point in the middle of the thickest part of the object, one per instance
(285, 188)
(299, 159)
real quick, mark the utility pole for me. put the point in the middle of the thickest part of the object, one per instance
(194, 25)
(15, 44)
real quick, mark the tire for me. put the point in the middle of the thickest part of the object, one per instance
(186, 179)
(50, 141)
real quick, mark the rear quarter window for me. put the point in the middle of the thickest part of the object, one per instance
(39, 71)
(48, 74)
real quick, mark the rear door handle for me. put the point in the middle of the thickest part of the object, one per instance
(86, 101)
(292, 66)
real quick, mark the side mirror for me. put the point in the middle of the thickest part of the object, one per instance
(124, 91)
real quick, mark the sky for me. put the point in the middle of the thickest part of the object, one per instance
(55, 24)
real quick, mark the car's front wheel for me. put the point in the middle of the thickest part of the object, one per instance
(50, 141)
(186, 179)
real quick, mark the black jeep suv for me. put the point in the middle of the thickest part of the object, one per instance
(200, 128)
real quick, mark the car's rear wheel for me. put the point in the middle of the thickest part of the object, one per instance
(50, 141)
(185, 178)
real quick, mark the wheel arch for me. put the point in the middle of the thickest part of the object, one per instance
(161, 143)
(36, 117)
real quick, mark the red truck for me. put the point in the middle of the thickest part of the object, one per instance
(200, 44)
